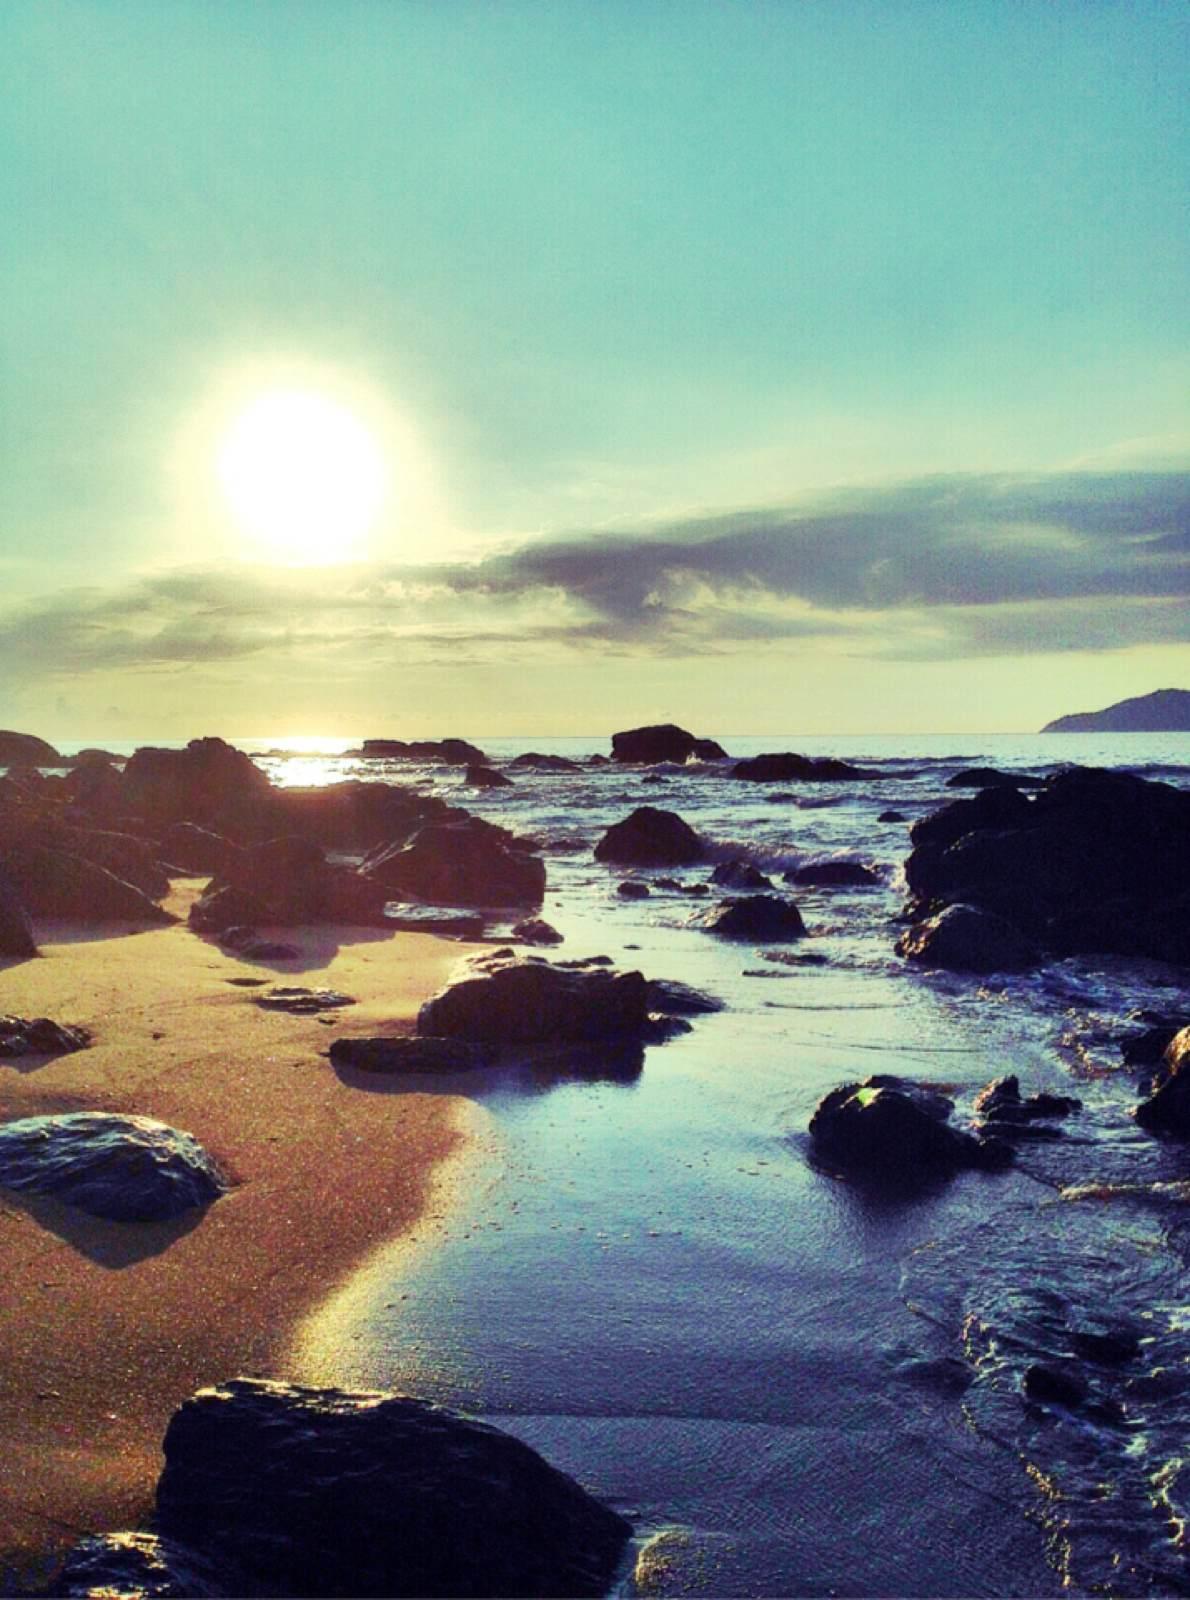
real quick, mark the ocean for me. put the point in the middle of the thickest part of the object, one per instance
(791, 1386)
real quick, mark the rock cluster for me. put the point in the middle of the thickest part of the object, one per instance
(891, 1130)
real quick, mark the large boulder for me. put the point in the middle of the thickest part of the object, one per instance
(786, 766)
(1167, 1110)
(315, 1492)
(16, 931)
(663, 742)
(52, 883)
(130, 1169)
(651, 838)
(351, 816)
(455, 752)
(205, 782)
(966, 939)
(759, 918)
(1095, 862)
(289, 880)
(528, 1002)
(466, 862)
(26, 750)
(891, 1130)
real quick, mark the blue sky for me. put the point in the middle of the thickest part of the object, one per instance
(598, 275)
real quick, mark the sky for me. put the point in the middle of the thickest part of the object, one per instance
(425, 367)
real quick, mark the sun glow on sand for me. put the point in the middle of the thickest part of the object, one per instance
(304, 478)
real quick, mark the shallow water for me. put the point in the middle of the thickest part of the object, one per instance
(793, 1387)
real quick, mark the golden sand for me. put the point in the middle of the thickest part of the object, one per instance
(106, 1327)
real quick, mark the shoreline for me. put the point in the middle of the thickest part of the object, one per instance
(107, 1327)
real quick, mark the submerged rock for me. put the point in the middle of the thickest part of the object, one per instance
(40, 1037)
(739, 874)
(130, 1169)
(786, 766)
(141, 1566)
(663, 742)
(762, 918)
(399, 1053)
(966, 939)
(317, 1492)
(650, 837)
(633, 889)
(990, 778)
(1000, 1101)
(680, 999)
(891, 816)
(834, 875)
(528, 1002)
(892, 1130)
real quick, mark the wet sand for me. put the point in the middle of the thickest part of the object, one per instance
(106, 1327)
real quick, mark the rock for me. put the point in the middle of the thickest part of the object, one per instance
(651, 838)
(141, 1566)
(633, 889)
(94, 786)
(40, 1037)
(788, 767)
(350, 816)
(889, 1129)
(403, 1054)
(1000, 1101)
(196, 850)
(316, 1492)
(663, 742)
(1167, 1110)
(468, 862)
(300, 1001)
(16, 931)
(534, 761)
(129, 1169)
(206, 780)
(1096, 862)
(531, 1003)
(1146, 1049)
(656, 779)
(52, 883)
(292, 881)
(122, 854)
(1051, 1385)
(1111, 1343)
(532, 930)
(965, 939)
(891, 816)
(763, 919)
(26, 750)
(248, 943)
(989, 778)
(834, 875)
(455, 752)
(220, 909)
(416, 918)
(486, 778)
(679, 999)
(739, 874)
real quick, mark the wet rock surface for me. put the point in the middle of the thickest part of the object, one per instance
(762, 918)
(680, 999)
(315, 1492)
(650, 837)
(739, 874)
(834, 875)
(530, 1002)
(891, 1130)
(141, 1566)
(663, 742)
(532, 930)
(965, 939)
(126, 1168)
(1001, 1101)
(633, 889)
(1167, 1109)
(400, 1053)
(40, 1036)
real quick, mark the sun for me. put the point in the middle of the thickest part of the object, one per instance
(304, 479)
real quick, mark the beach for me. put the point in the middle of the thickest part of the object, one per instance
(106, 1328)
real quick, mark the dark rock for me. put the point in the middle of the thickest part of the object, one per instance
(834, 874)
(989, 778)
(51, 883)
(532, 930)
(207, 779)
(1050, 1385)
(403, 1054)
(679, 999)
(1111, 1343)
(787, 767)
(891, 816)
(122, 854)
(965, 939)
(487, 778)
(671, 884)
(248, 943)
(26, 750)
(302, 1002)
(220, 909)
(317, 1492)
(739, 874)
(891, 1130)
(1001, 1101)
(141, 1566)
(467, 862)
(294, 883)
(455, 752)
(651, 838)
(1146, 1049)
(92, 757)
(1167, 1110)
(94, 786)
(416, 918)
(579, 963)
(534, 761)
(130, 1169)
(196, 850)
(633, 889)
(350, 816)
(531, 1003)
(655, 778)
(762, 918)
(663, 742)
(40, 1037)
(16, 931)
(698, 889)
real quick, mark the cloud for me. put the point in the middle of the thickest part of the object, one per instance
(936, 569)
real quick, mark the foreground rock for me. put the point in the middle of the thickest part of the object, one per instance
(16, 931)
(894, 1131)
(528, 1002)
(26, 750)
(52, 883)
(965, 939)
(399, 1053)
(207, 781)
(1095, 862)
(466, 862)
(663, 742)
(129, 1169)
(788, 766)
(761, 918)
(288, 881)
(1167, 1110)
(141, 1566)
(40, 1036)
(651, 838)
(314, 1492)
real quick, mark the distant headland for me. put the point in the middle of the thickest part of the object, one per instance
(1163, 711)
